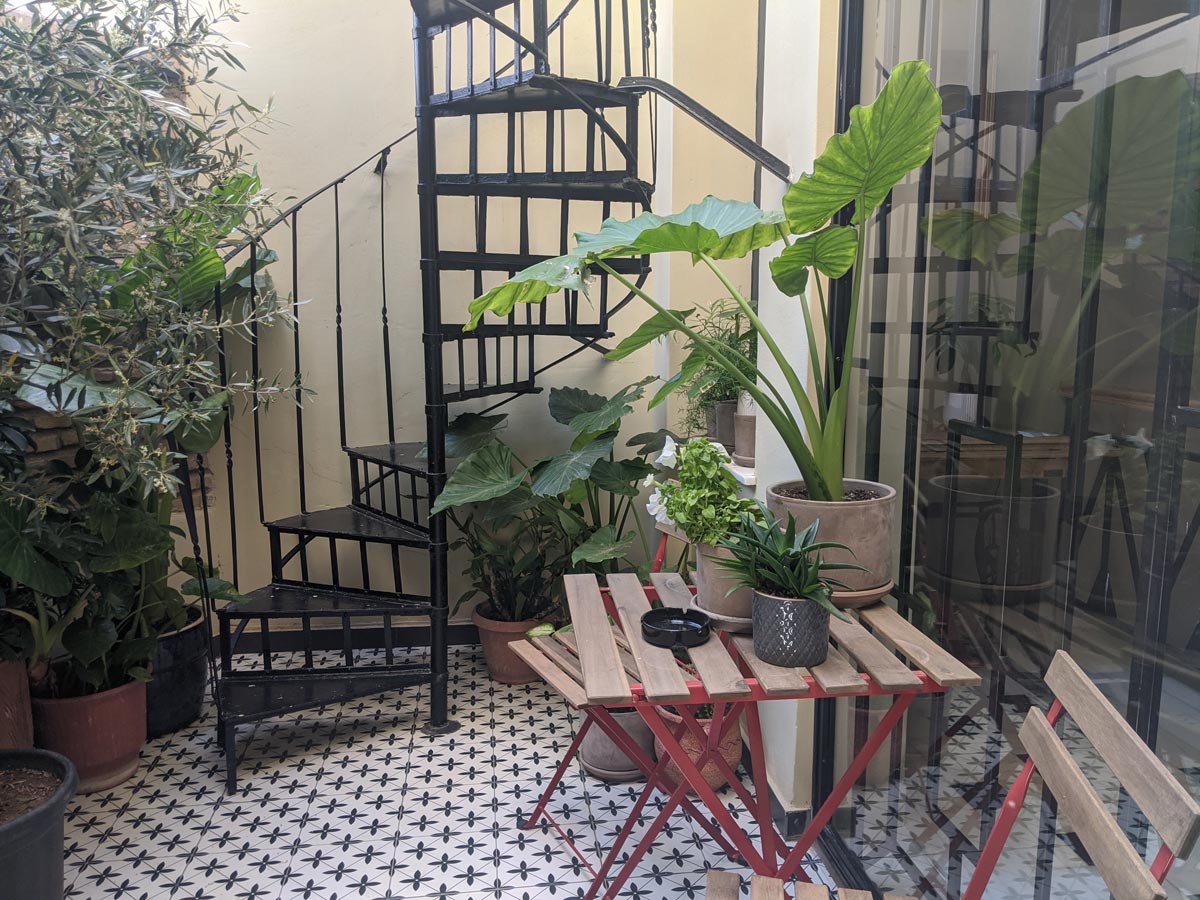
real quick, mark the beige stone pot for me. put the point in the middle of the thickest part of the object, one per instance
(865, 526)
(713, 583)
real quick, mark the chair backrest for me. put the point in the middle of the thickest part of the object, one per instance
(1166, 804)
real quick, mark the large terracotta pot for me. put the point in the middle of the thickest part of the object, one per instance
(713, 585)
(16, 715)
(865, 526)
(102, 734)
(730, 750)
(603, 759)
(495, 636)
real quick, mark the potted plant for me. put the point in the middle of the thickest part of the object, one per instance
(35, 787)
(792, 592)
(729, 749)
(712, 394)
(885, 141)
(703, 502)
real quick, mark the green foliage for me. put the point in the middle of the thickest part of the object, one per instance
(885, 141)
(527, 525)
(702, 500)
(774, 558)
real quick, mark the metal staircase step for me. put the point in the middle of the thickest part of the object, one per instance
(404, 456)
(514, 93)
(454, 331)
(296, 601)
(473, 261)
(252, 696)
(352, 523)
(455, 393)
(612, 186)
(444, 13)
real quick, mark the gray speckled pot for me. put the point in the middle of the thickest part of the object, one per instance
(864, 525)
(789, 632)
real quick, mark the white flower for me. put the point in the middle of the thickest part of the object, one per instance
(669, 458)
(657, 508)
(648, 481)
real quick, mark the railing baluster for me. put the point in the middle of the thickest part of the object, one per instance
(492, 54)
(302, 546)
(608, 41)
(387, 639)
(298, 372)
(333, 563)
(387, 340)
(449, 32)
(416, 501)
(366, 568)
(306, 625)
(264, 634)
(337, 313)
(518, 75)
(471, 58)
(397, 577)
(347, 642)
(395, 476)
(599, 42)
(254, 376)
(625, 28)
(227, 433)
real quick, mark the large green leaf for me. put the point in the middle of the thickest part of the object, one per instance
(831, 251)
(964, 233)
(54, 389)
(21, 561)
(622, 476)
(88, 641)
(604, 544)
(1143, 166)
(885, 141)
(609, 414)
(722, 229)
(484, 475)
(566, 403)
(648, 332)
(138, 539)
(471, 431)
(692, 365)
(555, 475)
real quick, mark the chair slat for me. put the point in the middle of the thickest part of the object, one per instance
(878, 661)
(662, 679)
(1123, 871)
(551, 673)
(603, 677)
(559, 655)
(713, 663)
(1165, 802)
(721, 885)
(920, 649)
(804, 891)
(772, 679)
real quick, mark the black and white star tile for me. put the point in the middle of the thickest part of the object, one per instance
(355, 802)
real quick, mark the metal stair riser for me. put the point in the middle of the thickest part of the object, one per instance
(390, 492)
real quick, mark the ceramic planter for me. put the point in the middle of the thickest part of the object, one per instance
(603, 759)
(713, 584)
(101, 734)
(31, 845)
(730, 750)
(16, 715)
(981, 539)
(743, 440)
(175, 696)
(719, 419)
(790, 632)
(495, 636)
(863, 525)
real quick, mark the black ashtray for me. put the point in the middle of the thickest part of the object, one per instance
(670, 628)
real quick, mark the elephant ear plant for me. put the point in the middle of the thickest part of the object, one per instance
(783, 566)
(885, 141)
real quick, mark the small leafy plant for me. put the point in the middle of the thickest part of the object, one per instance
(775, 559)
(702, 501)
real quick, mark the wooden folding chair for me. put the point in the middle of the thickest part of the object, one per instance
(1164, 802)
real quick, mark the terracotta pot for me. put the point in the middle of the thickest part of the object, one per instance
(713, 584)
(102, 734)
(863, 525)
(16, 715)
(503, 664)
(601, 758)
(730, 750)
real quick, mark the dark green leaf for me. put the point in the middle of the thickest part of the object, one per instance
(484, 475)
(604, 544)
(556, 474)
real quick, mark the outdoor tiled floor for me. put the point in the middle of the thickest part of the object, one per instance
(355, 801)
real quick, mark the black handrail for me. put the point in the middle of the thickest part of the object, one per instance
(710, 120)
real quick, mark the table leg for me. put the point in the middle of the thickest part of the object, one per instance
(766, 824)
(540, 809)
(791, 863)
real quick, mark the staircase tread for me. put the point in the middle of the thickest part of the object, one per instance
(293, 599)
(614, 186)
(404, 455)
(455, 392)
(516, 94)
(470, 260)
(257, 695)
(352, 522)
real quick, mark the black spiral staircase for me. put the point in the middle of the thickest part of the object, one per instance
(543, 154)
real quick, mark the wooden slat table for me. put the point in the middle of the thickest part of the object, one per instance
(599, 666)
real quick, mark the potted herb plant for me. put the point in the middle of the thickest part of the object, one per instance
(703, 502)
(857, 170)
(35, 787)
(792, 590)
(712, 394)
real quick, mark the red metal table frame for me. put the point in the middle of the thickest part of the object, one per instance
(772, 856)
